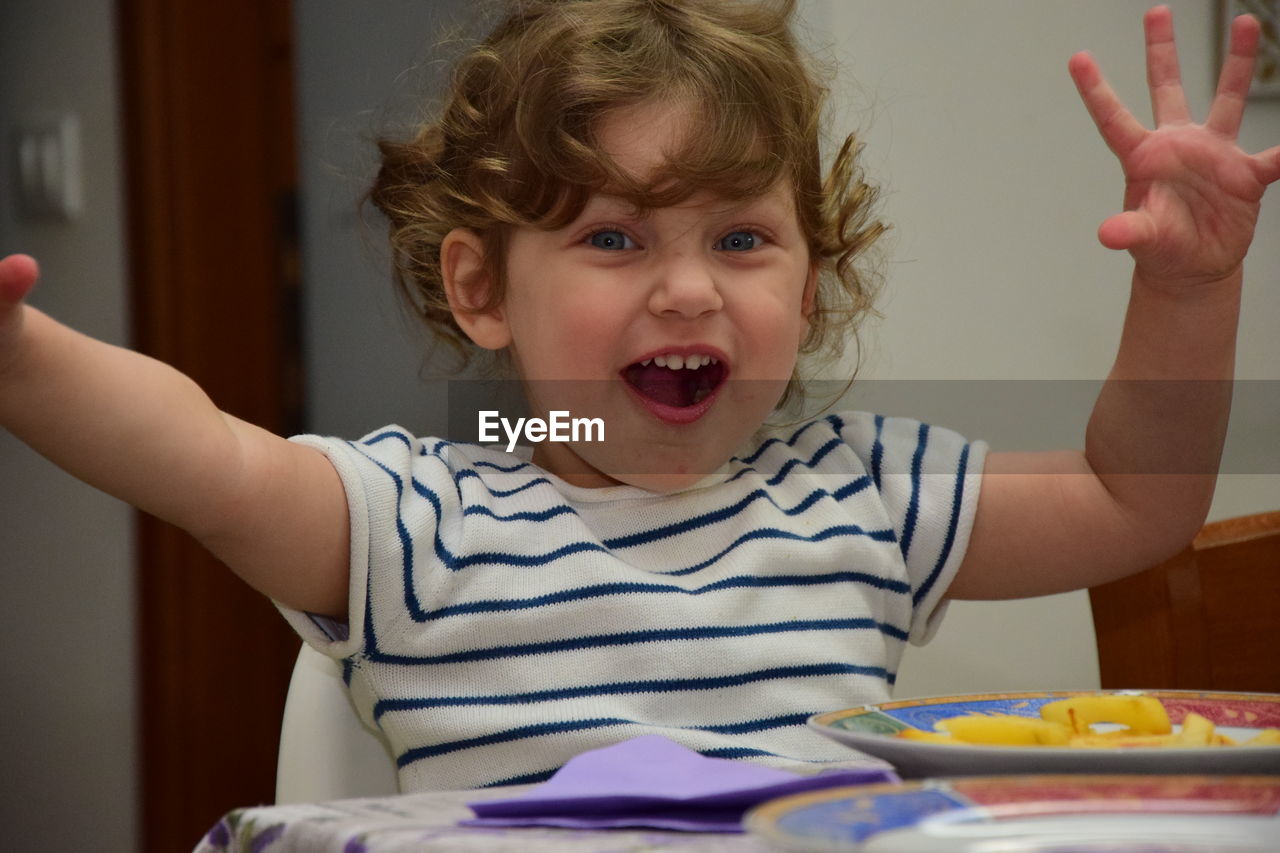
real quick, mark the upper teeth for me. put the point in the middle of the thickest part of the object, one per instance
(677, 362)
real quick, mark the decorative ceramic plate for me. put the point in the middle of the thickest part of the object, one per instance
(1031, 814)
(871, 729)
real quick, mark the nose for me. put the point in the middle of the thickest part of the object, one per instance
(684, 287)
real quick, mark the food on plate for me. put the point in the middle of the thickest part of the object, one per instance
(1143, 715)
(1266, 737)
(1005, 729)
(1143, 721)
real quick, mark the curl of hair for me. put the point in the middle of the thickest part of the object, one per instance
(515, 143)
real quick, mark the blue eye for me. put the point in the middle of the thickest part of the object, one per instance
(611, 240)
(738, 241)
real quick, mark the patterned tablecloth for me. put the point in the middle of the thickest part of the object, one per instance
(426, 822)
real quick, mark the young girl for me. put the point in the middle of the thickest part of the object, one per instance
(624, 199)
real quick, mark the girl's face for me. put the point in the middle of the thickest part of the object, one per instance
(593, 310)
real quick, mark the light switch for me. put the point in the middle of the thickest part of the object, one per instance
(47, 157)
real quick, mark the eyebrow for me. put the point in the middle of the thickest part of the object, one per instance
(719, 207)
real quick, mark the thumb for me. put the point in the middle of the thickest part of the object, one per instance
(18, 274)
(1268, 165)
(1126, 230)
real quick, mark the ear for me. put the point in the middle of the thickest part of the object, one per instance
(467, 284)
(810, 296)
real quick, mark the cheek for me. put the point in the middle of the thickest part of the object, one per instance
(785, 333)
(567, 339)
(580, 321)
(779, 316)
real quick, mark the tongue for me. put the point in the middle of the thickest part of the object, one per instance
(663, 385)
(677, 388)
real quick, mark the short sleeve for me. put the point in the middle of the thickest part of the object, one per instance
(374, 473)
(928, 479)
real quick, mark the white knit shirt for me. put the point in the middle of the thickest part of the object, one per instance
(502, 620)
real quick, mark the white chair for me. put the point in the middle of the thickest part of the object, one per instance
(326, 752)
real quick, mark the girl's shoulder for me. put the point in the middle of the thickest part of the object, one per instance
(883, 443)
(399, 453)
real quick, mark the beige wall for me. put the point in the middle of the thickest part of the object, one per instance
(66, 560)
(995, 181)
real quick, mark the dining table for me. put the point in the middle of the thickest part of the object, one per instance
(1217, 776)
(430, 821)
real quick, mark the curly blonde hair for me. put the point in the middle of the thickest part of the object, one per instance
(515, 145)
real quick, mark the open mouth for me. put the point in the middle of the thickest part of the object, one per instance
(676, 381)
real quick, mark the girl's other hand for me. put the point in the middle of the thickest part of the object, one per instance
(1191, 194)
(18, 275)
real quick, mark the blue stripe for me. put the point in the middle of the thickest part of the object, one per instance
(913, 507)
(761, 725)
(524, 779)
(627, 638)
(790, 442)
(774, 533)
(506, 558)
(484, 463)
(812, 462)
(536, 730)
(739, 752)
(565, 726)
(499, 493)
(858, 485)
(448, 558)
(583, 593)
(622, 688)
(708, 518)
(877, 451)
(437, 449)
(439, 446)
(540, 515)
(457, 563)
(389, 434)
(957, 496)
(406, 542)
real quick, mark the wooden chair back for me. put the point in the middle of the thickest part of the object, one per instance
(1207, 619)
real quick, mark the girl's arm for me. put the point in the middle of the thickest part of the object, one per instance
(274, 511)
(1049, 522)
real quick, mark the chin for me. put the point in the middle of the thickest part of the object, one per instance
(662, 469)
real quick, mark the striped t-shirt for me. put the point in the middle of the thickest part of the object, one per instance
(502, 620)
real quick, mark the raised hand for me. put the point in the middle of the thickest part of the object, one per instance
(1191, 194)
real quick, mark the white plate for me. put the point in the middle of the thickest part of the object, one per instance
(871, 728)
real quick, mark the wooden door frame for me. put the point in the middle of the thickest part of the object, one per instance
(210, 159)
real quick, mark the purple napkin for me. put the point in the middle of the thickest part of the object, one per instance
(651, 781)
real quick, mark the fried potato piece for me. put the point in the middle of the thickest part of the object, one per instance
(1069, 722)
(1006, 729)
(931, 737)
(1266, 737)
(1122, 740)
(1144, 715)
(1196, 731)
